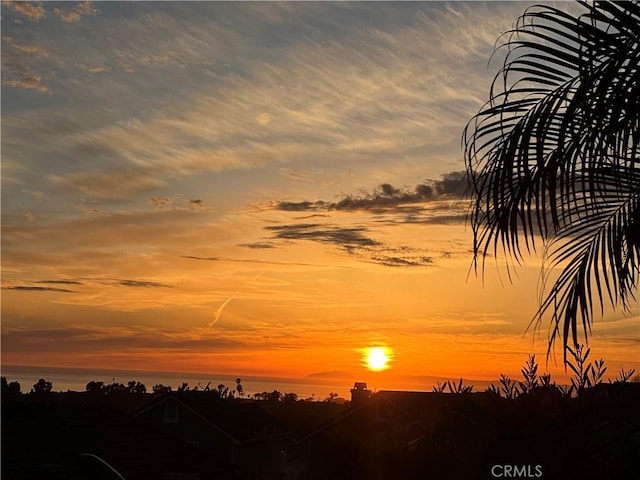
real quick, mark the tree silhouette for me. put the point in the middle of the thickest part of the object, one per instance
(136, 387)
(161, 389)
(553, 157)
(239, 387)
(10, 389)
(260, 396)
(222, 391)
(332, 396)
(115, 388)
(95, 388)
(290, 397)
(274, 396)
(42, 386)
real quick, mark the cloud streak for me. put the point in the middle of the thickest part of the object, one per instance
(31, 288)
(29, 82)
(61, 282)
(218, 313)
(254, 261)
(31, 49)
(386, 196)
(141, 284)
(344, 237)
(354, 241)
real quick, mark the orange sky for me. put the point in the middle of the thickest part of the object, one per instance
(256, 188)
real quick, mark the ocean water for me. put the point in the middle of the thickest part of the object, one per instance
(76, 379)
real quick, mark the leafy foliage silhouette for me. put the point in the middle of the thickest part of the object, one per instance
(586, 374)
(459, 387)
(440, 387)
(624, 375)
(553, 157)
(530, 374)
(10, 389)
(42, 387)
(508, 387)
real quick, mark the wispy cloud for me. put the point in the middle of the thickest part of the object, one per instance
(354, 241)
(179, 203)
(67, 16)
(31, 49)
(160, 201)
(30, 82)
(94, 69)
(20, 63)
(141, 284)
(218, 314)
(86, 8)
(62, 282)
(112, 184)
(91, 232)
(72, 339)
(297, 174)
(258, 245)
(74, 14)
(34, 11)
(347, 238)
(366, 97)
(391, 261)
(254, 261)
(32, 288)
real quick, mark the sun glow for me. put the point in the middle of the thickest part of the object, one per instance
(377, 358)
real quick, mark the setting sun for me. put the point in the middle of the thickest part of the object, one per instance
(377, 358)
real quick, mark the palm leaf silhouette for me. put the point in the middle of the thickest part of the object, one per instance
(553, 157)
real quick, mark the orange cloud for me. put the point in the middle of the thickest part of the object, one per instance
(96, 69)
(72, 16)
(86, 8)
(67, 16)
(33, 11)
(28, 82)
(31, 49)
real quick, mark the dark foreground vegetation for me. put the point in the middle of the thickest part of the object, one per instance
(525, 428)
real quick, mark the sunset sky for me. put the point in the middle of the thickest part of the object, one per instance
(256, 188)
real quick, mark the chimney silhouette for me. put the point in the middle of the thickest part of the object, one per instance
(359, 393)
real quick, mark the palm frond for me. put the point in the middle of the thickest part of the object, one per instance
(553, 156)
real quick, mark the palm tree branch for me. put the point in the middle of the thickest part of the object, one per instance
(561, 123)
